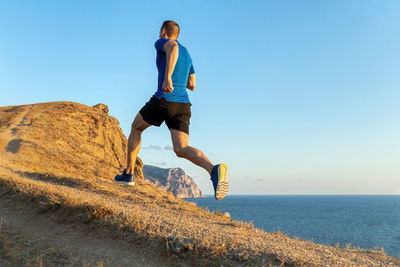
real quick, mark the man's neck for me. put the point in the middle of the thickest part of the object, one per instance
(167, 37)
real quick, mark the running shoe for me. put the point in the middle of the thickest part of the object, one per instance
(124, 178)
(220, 180)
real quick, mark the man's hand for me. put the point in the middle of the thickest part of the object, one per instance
(167, 85)
(191, 83)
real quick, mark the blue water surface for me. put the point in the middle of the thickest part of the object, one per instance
(367, 221)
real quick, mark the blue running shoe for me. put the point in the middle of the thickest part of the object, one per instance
(124, 178)
(220, 180)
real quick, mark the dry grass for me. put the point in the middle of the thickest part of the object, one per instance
(204, 231)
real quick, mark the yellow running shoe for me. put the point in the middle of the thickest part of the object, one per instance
(219, 179)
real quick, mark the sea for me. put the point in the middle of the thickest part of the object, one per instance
(365, 221)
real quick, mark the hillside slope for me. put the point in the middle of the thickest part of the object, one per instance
(57, 163)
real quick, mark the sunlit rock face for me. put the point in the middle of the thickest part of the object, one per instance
(173, 180)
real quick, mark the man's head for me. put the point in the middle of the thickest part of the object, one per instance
(169, 30)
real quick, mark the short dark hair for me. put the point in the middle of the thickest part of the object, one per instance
(171, 28)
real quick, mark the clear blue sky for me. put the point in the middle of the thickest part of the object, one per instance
(297, 97)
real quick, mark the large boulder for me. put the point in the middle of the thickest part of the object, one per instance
(63, 139)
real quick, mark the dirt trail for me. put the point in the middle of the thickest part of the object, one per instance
(27, 238)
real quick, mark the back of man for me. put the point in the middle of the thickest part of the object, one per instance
(183, 68)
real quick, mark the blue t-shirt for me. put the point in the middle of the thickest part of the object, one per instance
(182, 69)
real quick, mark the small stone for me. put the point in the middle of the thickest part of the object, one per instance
(179, 244)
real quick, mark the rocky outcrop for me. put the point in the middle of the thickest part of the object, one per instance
(63, 139)
(173, 180)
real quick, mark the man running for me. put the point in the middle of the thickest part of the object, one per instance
(171, 104)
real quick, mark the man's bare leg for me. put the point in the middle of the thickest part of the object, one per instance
(180, 142)
(134, 140)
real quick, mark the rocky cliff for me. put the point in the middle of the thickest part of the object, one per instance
(173, 180)
(63, 138)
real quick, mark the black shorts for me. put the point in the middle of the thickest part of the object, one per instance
(175, 114)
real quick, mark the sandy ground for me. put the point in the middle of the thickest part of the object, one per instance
(29, 239)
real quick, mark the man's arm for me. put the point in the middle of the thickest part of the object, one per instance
(191, 83)
(171, 49)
